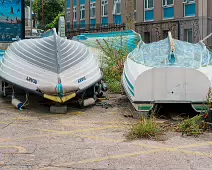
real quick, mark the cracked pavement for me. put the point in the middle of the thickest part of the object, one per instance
(91, 138)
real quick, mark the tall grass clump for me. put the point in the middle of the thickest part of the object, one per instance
(198, 124)
(145, 128)
(193, 126)
(113, 57)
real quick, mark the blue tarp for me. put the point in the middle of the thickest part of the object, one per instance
(127, 39)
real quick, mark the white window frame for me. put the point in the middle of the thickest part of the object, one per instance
(186, 30)
(148, 9)
(166, 5)
(103, 7)
(74, 13)
(186, 2)
(189, 1)
(93, 6)
(115, 7)
(82, 8)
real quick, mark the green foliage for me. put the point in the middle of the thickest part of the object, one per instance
(208, 102)
(51, 9)
(113, 59)
(193, 126)
(145, 128)
(198, 124)
(54, 24)
(27, 3)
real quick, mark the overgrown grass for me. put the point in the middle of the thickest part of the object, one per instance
(199, 123)
(145, 128)
(114, 56)
(193, 126)
(113, 59)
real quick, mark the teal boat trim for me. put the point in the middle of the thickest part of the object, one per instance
(126, 89)
(128, 82)
(131, 92)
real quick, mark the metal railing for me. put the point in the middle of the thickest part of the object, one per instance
(90, 28)
(156, 30)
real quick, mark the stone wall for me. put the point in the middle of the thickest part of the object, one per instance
(157, 30)
(193, 24)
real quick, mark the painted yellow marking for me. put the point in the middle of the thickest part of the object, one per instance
(26, 137)
(56, 133)
(5, 123)
(20, 148)
(121, 156)
(195, 145)
(77, 113)
(195, 153)
(75, 131)
(174, 149)
(100, 138)
(67, 122)
(188, 152)
(9, 107)
(50, 115)
(22, 118)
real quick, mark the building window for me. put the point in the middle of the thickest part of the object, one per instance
(149, 4)
(117, 7)
(82, 12)
(92, 23)
(75, 13)
(168, 9)
(149, 10)
(104, 8)
(189, 8)
(188, 35)
(189, 1)
(147, 37)
(93, 10)
(75, 25)
(168, 3)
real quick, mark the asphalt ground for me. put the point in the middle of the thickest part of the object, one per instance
(91, 138)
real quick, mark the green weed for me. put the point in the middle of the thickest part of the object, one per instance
(192, 126)
(145, 128)
(114, 55)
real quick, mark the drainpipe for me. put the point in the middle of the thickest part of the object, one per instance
(178, 23)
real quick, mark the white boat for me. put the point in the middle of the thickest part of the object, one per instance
(53, 67)
(168, 71)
